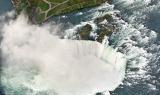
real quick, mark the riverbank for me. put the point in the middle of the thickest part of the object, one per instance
(41, 10)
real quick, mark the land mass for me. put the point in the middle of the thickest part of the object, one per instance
(103, 29)
(41, 10)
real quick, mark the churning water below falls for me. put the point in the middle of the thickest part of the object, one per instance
(35, 61)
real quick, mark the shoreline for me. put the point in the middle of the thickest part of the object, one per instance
(33, 14)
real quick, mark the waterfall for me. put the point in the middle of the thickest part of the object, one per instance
(36, 62)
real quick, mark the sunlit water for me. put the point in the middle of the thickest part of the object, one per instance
(137, 37)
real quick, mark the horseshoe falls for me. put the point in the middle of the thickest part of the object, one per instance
(35, 61)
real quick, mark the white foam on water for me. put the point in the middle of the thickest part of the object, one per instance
(79, 13)
(131, 36)
(130, 39)
(128, 3)
(136, 41)
(92, 15)
(34, 61)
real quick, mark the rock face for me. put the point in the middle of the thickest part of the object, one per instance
(84, 33)
(40, 10)
(98, 20)
(102, 32)
(103, 29)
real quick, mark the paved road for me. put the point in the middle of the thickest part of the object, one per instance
(50, 7)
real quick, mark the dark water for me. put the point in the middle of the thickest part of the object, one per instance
(5, 6)
(141, 17)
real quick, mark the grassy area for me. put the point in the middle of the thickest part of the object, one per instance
(72, 5)
(53, 5)
(44, 6)
(56, 1)
(40, 17)
(56, 9)
(57, 6)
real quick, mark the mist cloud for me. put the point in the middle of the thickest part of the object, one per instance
(35, 59)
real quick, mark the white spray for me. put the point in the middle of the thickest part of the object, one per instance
(37, 62)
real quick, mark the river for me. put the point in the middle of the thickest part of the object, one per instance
(137, 37)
